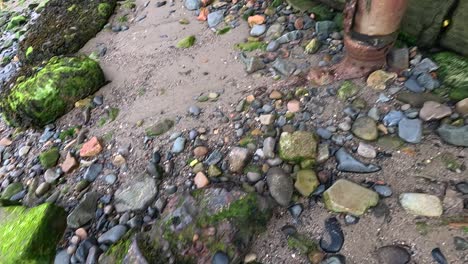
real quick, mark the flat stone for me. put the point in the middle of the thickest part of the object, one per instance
(112, 235)
(91, 148)
(93, 172)
(457, 136)
(294, 106)
(413, 85)
(410, 130)
(42, 189)
(418, 100)
(366, 150)
(280, 185)
(200, 151)
(159, 128)
(267, 119)
(237, 159)
(269, 147)
(257, 30)
(347, 197)
(136, 195)
(392, 118)
(215, 18)
(84, 211)
(11, 190)
(379, 79)
(297, 146)
(365, 128)
(192, 4)
(179, 145)
(421, 204)
(434, 111)
(392, 255)
(69, 164)
(306, 182)
(23, 151)
(51, 175)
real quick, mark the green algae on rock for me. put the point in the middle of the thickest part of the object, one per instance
(51, 92)
(453, 70)
(237, 217)
(347, 89)
(16, 22)
(298, 146)
(30, 235)
(49, 158)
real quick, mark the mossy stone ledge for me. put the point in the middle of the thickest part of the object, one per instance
(52, 91)
(30, 235)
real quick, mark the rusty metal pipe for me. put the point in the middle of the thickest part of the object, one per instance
(370, 30)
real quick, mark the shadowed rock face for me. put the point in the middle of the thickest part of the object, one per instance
(63, 28)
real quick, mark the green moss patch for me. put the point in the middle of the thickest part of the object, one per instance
(51, 92)
(251, 46)
(186, 42)
(30, 235)
(105, 9)
(16, 22)
(453, 70)
(49, 158)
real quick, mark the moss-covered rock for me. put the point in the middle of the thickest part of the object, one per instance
(49, 158)
(235, 215)
(11, 190)
(186, 42)
(30, 235)
(453, 70)
(52, 91)
(16, 22)
(298, 146)
(347, 89)
(63, 27)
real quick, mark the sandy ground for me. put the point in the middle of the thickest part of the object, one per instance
(152, 80)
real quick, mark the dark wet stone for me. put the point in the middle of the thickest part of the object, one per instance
(62, 257)
(113, 235)
(289, 230)
(460, 243)
(214, 157)
(296, 210)
(383, 190)
(351, 219)
(280, 185)
(412, 85)
(457, 136)
(348, 163)
(92, 172)
(333, 240)
(462, 187)
(83, 249)
(220, 258)
(84, 212)
(438, 256)
(392, 255)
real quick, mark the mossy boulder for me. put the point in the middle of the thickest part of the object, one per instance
(236, 217)
(30, 235)
(52, 91)
(49, 158)
(63, 27)
(453, 70)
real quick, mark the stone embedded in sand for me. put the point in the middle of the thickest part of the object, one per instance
(136, 194)
(348, 197)
(280, 185)
(159, 128)
(49, 157)
(91, 148)
(30, 235)
(313, 46)
(379, 79)
(306, 182)
(434, 111)
(421, 204)
(297, 146)
(186, 42)
(69, 164)
(201, 180)
(237, 159)
(256, 20)
(294, 106)
(457, 136)
(410, 130)
(347, 89)
(5, 142)
(365, 128)
(52, 91)
(84, 211)
(267, 119)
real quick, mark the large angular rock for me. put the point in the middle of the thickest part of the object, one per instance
(30, 235)
(84, 211)
(51, 92)
(421, 204)
(136, 194)
(456, 36)
(238, 158)
(347, 197)
(280, 185)
(423, 19)
(63, 28)
(306, 182)
(297, 146)
(234, 215)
